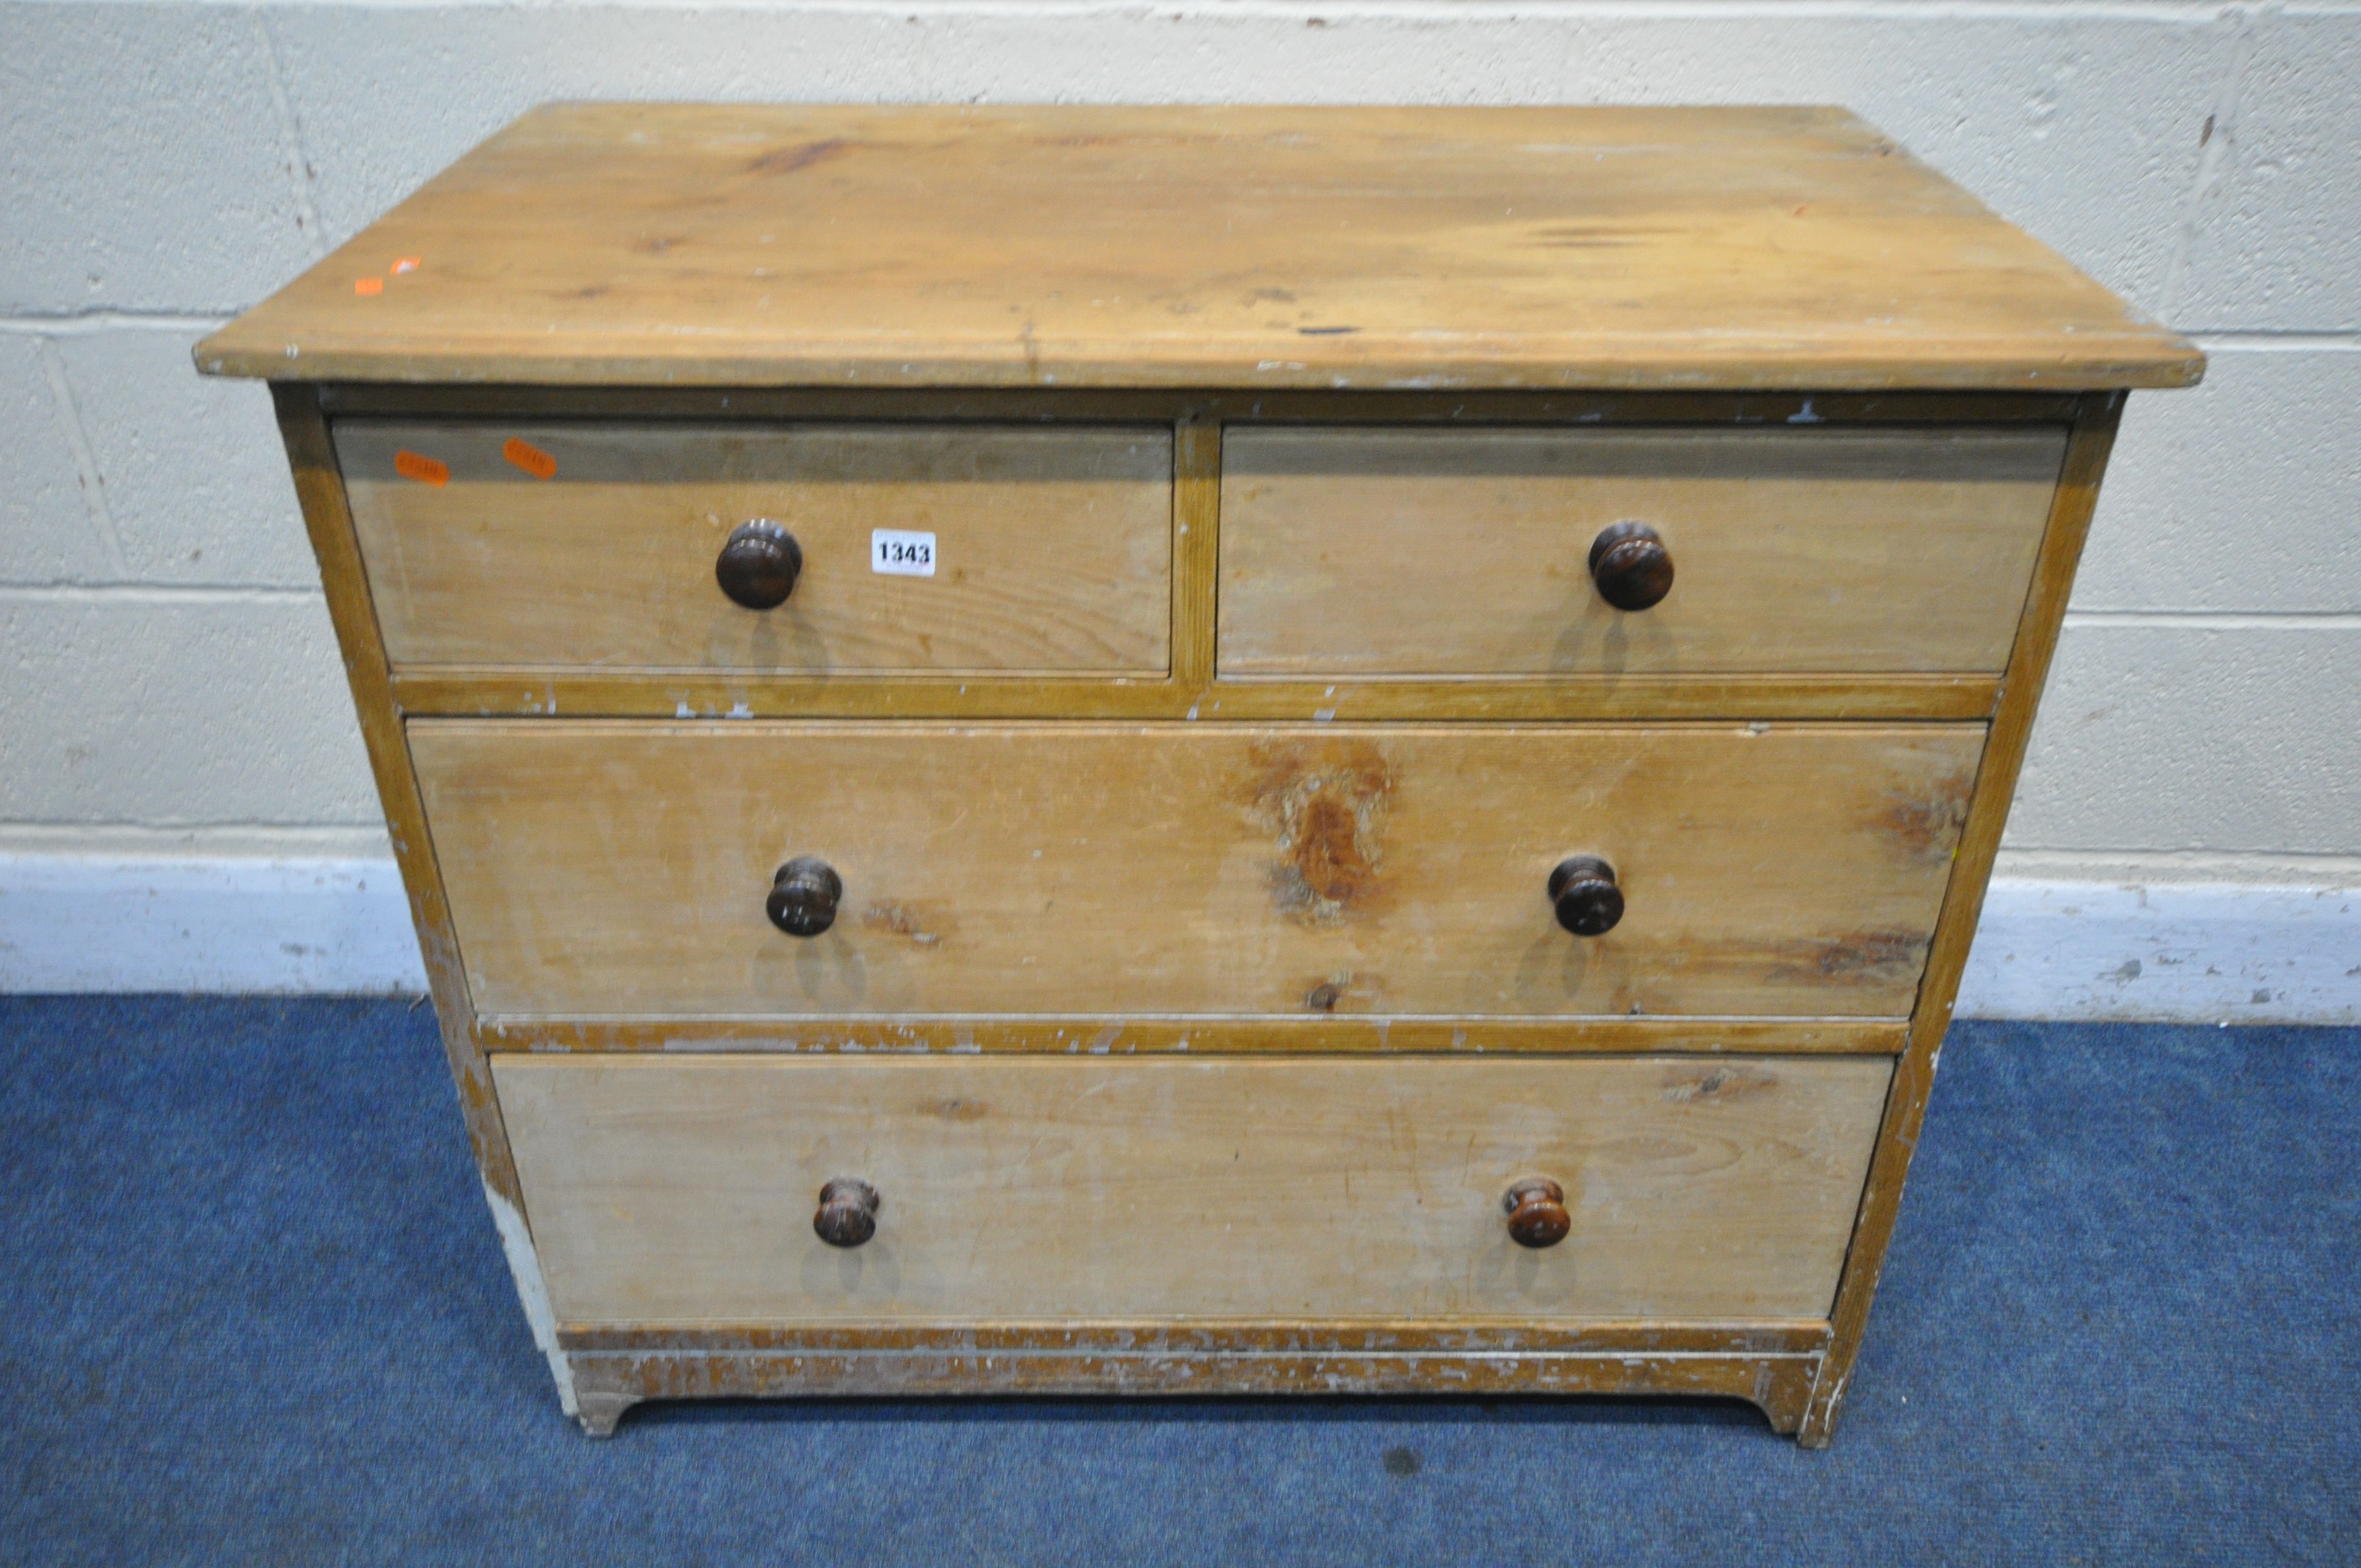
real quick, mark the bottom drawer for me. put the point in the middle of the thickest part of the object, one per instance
(680, 1189)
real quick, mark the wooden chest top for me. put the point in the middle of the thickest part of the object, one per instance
(761, 246)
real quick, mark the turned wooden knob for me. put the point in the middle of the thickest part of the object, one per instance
(1630, 566)
(1536, 1210)
(759, 565)
(1588, 902)
(804, 895)
(848, 1213)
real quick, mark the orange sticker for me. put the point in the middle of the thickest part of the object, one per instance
(530, 458)
(369, 285)
(425, 470)
(407, 264)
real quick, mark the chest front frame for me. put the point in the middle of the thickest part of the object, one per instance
(1795, 1372)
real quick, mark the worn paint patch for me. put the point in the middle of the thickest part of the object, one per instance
(1325, 803)
(524, 1263)
(1720, 1084)
(1928, 826)
(1591, 237)
(788, 159)
(903, 920)
(1872, 958)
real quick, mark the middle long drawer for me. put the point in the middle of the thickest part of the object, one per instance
(610, 869)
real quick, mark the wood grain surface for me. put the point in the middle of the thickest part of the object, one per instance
(1313, 1033)
(475, 691)
(312, 458)
(1054, 546)
(621, 869)
(1244, 1336)
(1372, 552)
(1771, 406)
(1979, 843)
(675, 1191)
(608, 1383)
(1275, 732)
(780, 244)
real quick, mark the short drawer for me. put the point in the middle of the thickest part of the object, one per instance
(595, 545)
(1105, 870)
(678, 1190)
(1441, 552)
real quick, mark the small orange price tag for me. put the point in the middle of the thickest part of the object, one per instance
(530, 458)
(369, 285)
(425, 470)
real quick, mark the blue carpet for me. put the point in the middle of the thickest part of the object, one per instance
(255, 1312)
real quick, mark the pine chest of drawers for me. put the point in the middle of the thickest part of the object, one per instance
(1195, 751)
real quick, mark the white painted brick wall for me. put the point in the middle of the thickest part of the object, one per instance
(177, 709)
(146, 168)
(169, 682)
(2240, 495)
(190, 469)
(47, 534)
(2274, 232)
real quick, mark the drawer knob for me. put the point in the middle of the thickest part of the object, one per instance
(1588, 902)
(1630, 566)
(1536, 1210)
(804, 895)
(848, 1212)
(759, 565)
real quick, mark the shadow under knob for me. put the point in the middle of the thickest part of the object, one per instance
(1536, 1210)
(1630, 566)
(804, 895)
(759, 565)
(848, 1212)
(1583, 890)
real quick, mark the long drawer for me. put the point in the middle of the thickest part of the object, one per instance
(596, 545)
(680, 1190)
(1441, 552)
(608, 869)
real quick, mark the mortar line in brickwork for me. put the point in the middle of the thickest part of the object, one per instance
(2046, 862)
(66, 323)
(1332, 12)
(148, 828)
(159, 593)
(2216, 620)
(2288, 342)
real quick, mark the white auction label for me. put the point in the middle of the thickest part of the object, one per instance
(899, 553)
